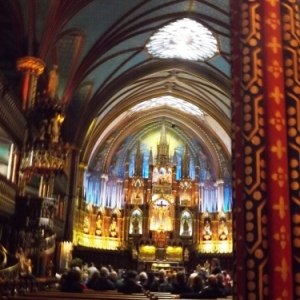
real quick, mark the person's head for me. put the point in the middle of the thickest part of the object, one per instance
(104, 272)
(143, 276)
(180, 277)
(161, 274)
(74, 275)
(110, 268)
(77, 269)
(131, 275)
(113, 276)
(172, 278)
(220, 278)
(211, 280)
(92, 264)
(215, 263)
(94, 277)
(198, 284)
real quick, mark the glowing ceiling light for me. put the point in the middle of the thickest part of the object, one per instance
(185, 39)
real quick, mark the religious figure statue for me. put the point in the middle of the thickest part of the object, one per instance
(113, 228)
(25, 264)
(98, 225)
(86, 225)
(135, 225)
(53, 82)
(207, 231)
(186, 228)
(223, 230)
(160, 215)
(20, 255)
(54, 128)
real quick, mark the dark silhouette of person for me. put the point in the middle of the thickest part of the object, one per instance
(181, 285)
(211, 291)
(103, 283)
(72, 282)
(130, 284)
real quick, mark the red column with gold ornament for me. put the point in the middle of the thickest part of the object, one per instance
(280, 261)
(262, 225)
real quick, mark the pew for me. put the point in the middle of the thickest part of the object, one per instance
(87, 294)
(91, 294)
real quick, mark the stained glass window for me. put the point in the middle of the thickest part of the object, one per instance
(184, 39)
(169, 101)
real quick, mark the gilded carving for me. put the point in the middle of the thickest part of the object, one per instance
(31, 64)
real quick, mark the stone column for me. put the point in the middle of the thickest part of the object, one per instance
(197, 178)
(220, 195)
(104, 179)
(201, 196)
(71, 192)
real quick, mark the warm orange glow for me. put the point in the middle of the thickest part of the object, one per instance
(97, 242)
(25, 89)
(32, 64)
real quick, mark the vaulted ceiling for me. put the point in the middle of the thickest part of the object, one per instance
(105, 70)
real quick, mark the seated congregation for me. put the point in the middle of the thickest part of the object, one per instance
(201, 284)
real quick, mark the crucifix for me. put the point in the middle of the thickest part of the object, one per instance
(160, 208)
(161, 204)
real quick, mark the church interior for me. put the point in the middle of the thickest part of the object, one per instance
(138, 134)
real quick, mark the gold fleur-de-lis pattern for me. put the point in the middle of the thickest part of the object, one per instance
(266, 148)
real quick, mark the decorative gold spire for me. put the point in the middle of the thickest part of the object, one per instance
(163, 148)
(185, 164)
(138, 162)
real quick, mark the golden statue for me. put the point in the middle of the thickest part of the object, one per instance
(98, 225)
(53, 82)
(54, 128)
(86, 225)
(207, 231)
(223, 231)
(113, 228)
